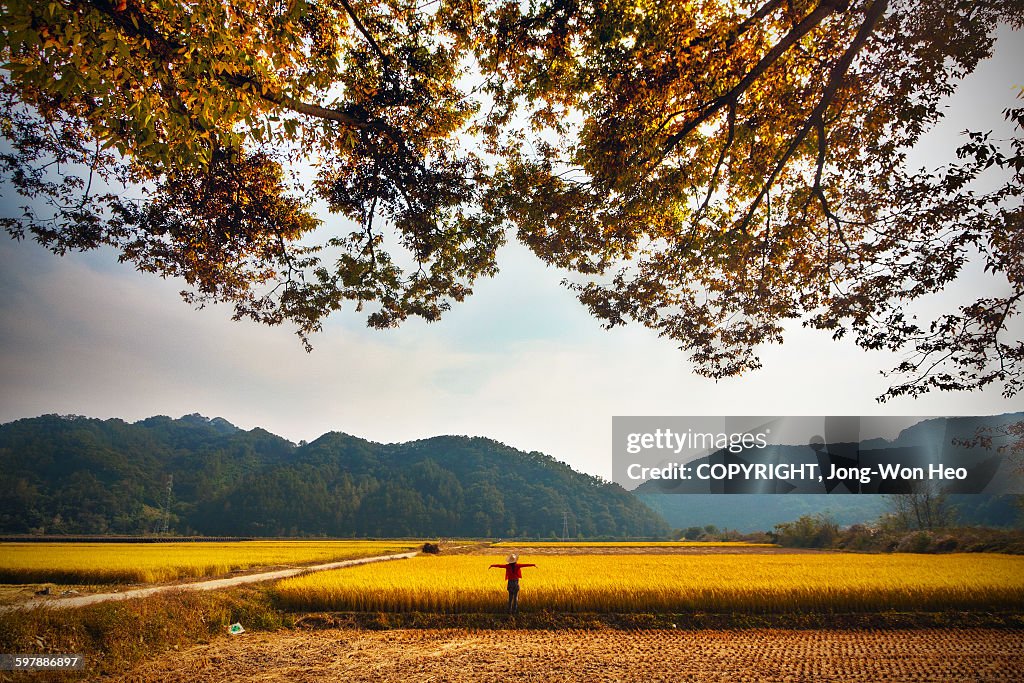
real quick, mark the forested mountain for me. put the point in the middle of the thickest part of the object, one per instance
(71, 474)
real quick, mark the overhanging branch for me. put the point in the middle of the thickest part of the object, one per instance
(823, 10)
(135, 24)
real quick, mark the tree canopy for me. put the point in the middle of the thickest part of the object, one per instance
(711, 170)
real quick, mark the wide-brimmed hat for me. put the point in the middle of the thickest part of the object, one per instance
(512, 558)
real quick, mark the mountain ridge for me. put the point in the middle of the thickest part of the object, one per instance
(682, 507)
(73, 474)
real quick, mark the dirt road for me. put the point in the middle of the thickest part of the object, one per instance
(595, 656)
(212, 584)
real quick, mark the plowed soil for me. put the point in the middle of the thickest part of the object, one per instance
(594, 656)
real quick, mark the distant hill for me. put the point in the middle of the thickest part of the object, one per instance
(751, 512)
(761, 512)
(71, 474)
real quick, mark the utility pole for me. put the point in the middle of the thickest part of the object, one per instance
(565, 525)
(166, 524)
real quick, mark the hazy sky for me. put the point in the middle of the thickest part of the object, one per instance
(521, 361)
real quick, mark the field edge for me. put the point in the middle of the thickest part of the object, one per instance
(691, 621)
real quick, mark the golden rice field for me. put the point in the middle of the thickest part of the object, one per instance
(671, 583)
(92, 563)
(632, 544)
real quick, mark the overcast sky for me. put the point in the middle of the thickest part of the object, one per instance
(521, 361)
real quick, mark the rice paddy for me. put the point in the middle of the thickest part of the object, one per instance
(99, 563)
(671, 583)
(631, 544)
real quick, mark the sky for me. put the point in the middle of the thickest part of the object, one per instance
(521, 361)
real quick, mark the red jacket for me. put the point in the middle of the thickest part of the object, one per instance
(513, 571)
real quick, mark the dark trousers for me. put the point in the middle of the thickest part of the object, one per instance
(513, 596)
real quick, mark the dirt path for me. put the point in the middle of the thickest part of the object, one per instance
(609, 655)
(212, 584)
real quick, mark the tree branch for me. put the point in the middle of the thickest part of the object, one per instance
(133, 23)
(712, 184)
(366, 34)
(313, 110)
(823, 10)
(817, 116)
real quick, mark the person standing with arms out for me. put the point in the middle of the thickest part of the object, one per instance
(513, 572)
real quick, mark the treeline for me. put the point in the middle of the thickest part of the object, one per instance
(75, 475)
(888, 535)
(753, 513)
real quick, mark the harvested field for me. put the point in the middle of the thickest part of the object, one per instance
(608, 655)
